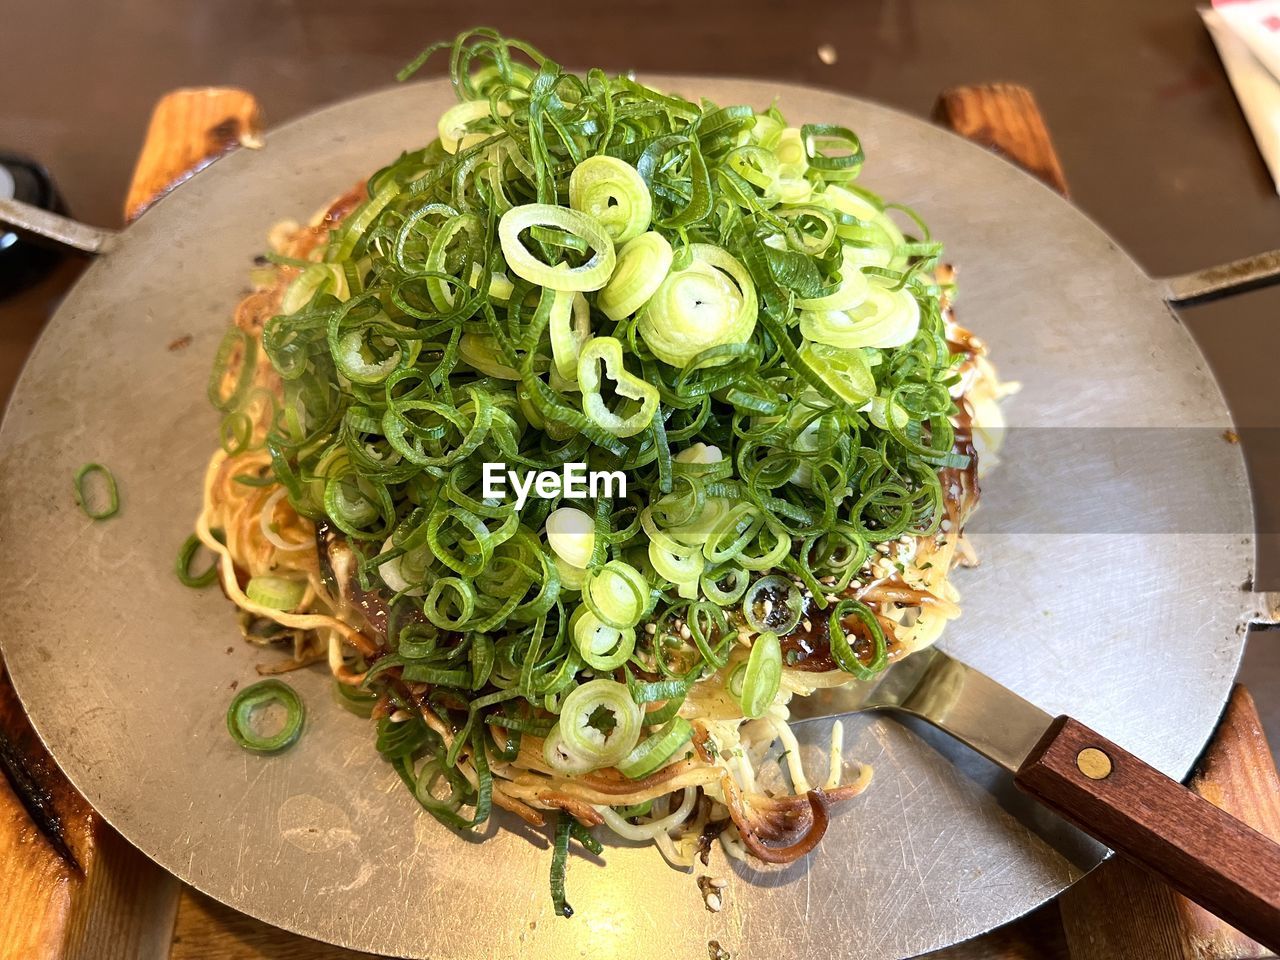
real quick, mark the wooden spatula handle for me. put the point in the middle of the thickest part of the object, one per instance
(1224, 865)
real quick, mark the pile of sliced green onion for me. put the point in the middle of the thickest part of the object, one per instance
(584, 269)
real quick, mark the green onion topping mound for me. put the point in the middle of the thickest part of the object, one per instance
(584, 269)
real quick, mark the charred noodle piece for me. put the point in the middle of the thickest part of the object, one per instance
(581, 269)
(766, 819)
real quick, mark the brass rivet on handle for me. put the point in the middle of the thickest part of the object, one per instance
(1093, 763)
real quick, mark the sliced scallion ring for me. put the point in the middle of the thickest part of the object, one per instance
(454, 122)
(878, 240)
(617, 593)
(256, 697)
(238, 351)
(601, 646)
(405, 574)
(560, 758)
(852, 290)
(592, 275)
(725, 587)
(845, 371)
(599, 722)
(355, 699)
(883, 409)
(278, 593)
(842, 651)
(607, 352)
(316, 278)
(571, 577)
(710, 303)
(883, 318)
(643, 264)
(188, 553)
(820, 139)
(112, 496)
(612, 192)
(571, 533)
(570, 327)
(763, 675)
(773, 603)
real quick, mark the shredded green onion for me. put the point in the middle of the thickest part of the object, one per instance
(580, 269)
(559, 863)
(658, 749)
(842, 651)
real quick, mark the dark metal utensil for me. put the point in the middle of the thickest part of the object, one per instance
(1223, 864)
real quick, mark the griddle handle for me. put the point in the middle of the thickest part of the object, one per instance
(1209, 856)
(55, 228)
(1213, 283)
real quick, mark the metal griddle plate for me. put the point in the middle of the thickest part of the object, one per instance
(127, 674)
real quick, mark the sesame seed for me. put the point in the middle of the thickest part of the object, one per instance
(714, 903)
(827, 580)
(827, 54)
(832, 598)
(718, 882)
(808, 624)
(768, 606)
(685, 632)
(651, 628)
(945, 526)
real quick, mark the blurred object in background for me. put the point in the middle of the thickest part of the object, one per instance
(22, 261)
(1247, 35)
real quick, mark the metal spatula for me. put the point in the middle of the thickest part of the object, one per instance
(1211, 857)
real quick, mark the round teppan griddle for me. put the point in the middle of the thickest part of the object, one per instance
(127, 674)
